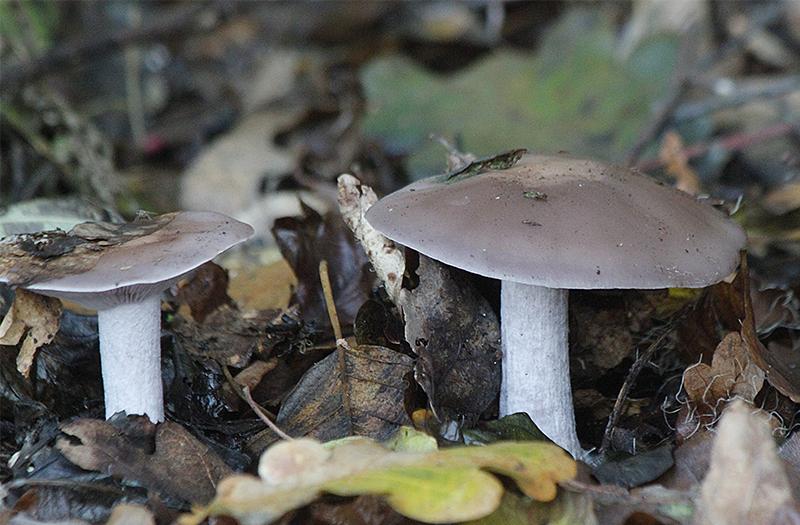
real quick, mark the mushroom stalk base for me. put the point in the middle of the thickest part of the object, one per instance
(130, 357)
(534, 323)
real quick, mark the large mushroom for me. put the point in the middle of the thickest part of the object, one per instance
(121, 271)
(544, 225)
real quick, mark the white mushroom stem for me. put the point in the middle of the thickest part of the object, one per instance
(535, 328)
(130, 357)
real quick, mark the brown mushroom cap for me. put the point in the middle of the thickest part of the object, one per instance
(562, 222)
(149, 263)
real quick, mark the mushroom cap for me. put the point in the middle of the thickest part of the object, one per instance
(148, 264)
(563, 222)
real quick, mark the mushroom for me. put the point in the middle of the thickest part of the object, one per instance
(544, 225)
(121, 270)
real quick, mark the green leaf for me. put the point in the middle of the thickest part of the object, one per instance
(432, 486)
(574, 94)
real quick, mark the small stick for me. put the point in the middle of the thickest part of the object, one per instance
(263, 414)
(633, 374)
(327, 290)
(341, 343)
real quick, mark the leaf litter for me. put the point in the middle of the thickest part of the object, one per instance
(413, 353)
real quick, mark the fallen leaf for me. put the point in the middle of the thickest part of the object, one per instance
(732, 373)
(456, 335)
(746, 481)
(172, 462)
(568, 508)
(364, 398)
(37, 318)
(635, 470)
(44, 214)
(307, 240)
(205, 291)
(263, 287)
(435, 487)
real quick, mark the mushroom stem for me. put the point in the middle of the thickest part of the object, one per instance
(130, 357)
(534, 324)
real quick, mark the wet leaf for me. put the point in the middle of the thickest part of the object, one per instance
(635, 470)
(354, 390)
(226, 336)
(434, 487)
(746, 482)
(172, 462)
(307, 240)
(457, 337)
(35, 317)
(567, 509)
(513, 427)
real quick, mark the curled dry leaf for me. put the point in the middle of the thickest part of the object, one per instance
(35, 317)
(433, 486)
(746, 482)
(732, 373)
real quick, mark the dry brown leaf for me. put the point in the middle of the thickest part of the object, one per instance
(175, 463)
(677, 163)
(746, 482)
(732, 374)
(267, 287)
(32, 314)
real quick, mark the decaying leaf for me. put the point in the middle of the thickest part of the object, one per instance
(307, 240)
(456, 335)
(732, 374)
(357, 390)
(430, 486)
(746, 482)
(34, 316)
(226, 336)
(568, 508)
(170, 462)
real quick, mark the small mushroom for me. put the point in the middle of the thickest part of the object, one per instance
(548, 224)
(121, 270)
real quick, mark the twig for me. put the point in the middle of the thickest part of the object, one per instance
(733, 142)
(262, 413)
(633, 374)
(262, 416)
(327, 290)
(662, 119)
(341, 343)
(66, 55)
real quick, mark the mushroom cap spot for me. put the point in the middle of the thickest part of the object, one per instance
(151, 263)
(590, 225)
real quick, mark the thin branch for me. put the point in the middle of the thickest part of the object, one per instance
(633, 375)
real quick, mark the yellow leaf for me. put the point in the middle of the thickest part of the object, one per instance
(418, 481)
(36, 315)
